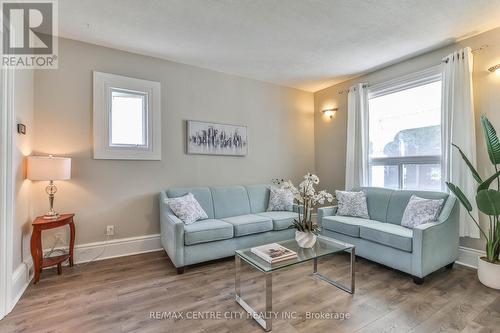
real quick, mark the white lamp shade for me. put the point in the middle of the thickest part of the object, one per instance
(49, 168)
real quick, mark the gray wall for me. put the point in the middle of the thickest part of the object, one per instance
(330, 134)
(124, 193)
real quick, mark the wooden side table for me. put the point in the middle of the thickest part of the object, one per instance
(36, 243)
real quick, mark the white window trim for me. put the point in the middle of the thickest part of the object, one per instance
(426, 76)
(104, 83)
(412, 80)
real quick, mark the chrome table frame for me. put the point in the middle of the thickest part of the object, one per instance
(266, 322)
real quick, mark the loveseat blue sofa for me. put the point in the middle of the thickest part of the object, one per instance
(419, 251)
(237, 218)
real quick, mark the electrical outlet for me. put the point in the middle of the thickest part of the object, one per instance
(110, 230)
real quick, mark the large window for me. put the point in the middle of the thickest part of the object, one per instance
(405, 133)
(127, 118)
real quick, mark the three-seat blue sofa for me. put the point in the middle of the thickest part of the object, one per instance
(419, 251)
(237, 218)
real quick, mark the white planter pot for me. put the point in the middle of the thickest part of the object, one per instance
(488, 274)
(305, 240)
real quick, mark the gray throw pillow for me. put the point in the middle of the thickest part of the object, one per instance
(280, 199)
(187, 208)
(420, 211)
(352, 204)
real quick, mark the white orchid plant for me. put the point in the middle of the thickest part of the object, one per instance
(307, 198)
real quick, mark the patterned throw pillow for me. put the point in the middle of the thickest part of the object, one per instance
(420, 211)
(352, 204)
(187, 208)
(280, 199)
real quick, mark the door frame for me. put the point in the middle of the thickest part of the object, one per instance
(6, 188)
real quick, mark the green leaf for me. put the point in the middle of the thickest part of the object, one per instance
(460, 196)
(486, 184)
(488, 202)
(475, 174)
(491, 138)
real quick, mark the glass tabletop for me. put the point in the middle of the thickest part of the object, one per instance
(324, 246)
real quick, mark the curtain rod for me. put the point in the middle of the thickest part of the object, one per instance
(482, 47)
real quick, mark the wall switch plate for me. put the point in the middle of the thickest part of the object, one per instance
(110, 230)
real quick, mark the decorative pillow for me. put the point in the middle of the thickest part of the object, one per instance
(352, 204)
(187, 208)
(420, 211)
(280, 199)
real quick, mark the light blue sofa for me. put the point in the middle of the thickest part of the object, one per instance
(382, 239)
(237, 219)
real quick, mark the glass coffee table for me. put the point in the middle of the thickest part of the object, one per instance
(324, 246)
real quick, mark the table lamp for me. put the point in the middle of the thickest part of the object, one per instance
(49, 168)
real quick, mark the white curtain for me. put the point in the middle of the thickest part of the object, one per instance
(458, 128)
(357, 141)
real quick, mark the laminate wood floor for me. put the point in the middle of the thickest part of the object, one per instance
(119, 295)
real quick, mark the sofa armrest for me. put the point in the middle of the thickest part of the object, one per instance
(435, 244)
(326, 211)
(172, 233)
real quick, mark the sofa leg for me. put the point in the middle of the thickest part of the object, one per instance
(418, 280)
(450, 266)
(180, 270)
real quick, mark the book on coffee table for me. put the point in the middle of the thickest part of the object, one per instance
(273, 252)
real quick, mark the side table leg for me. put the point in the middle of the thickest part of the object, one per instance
(71, 242)
(34, 254)
(353, 269)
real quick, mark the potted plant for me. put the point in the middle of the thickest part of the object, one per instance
(488, 202)
(307, 197)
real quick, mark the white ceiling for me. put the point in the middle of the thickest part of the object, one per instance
(307, 44)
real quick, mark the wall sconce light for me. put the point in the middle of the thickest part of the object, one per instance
(495, 69)
(330, 112)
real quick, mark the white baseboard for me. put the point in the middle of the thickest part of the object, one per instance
(114, 248)
(468, 256)
(21, 278)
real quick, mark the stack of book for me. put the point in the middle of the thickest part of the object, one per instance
(273, 253)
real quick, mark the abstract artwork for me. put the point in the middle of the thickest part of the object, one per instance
(216, 139)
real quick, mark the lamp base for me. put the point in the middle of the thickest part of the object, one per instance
(51, 216)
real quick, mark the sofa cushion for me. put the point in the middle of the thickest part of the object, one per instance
(377, 200)
(230, 201)
(207, 231)
(346, 225)
(202, 194)
(249, 224)
(388, 234)
(399, 201)
(259, 197)
(281, 219)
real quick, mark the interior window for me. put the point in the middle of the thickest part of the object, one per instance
(128, 118)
